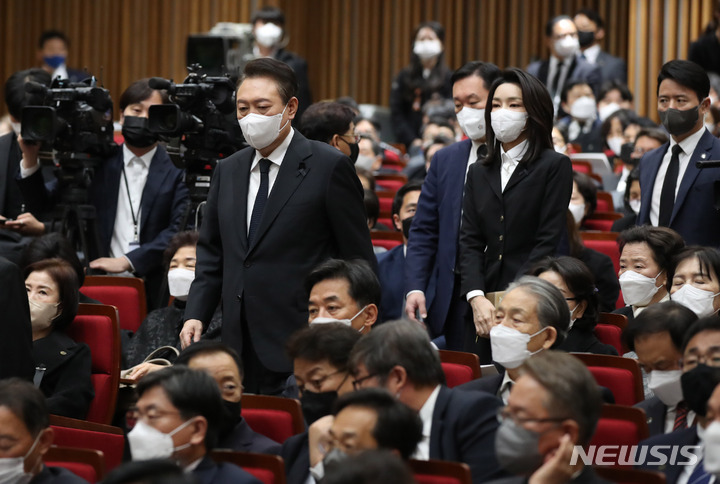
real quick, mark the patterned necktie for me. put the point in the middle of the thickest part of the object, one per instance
(260, 199)
(681, 412)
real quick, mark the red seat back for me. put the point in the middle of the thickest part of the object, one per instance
(440, 472)
(274, 417)
(386, 203)
(88, 464)
(598, 224)
(456, 374)
(605, 243)
(393, 185)
(80, 434)
(610, 335)
(269, 469)
(127, 294)
(620, 375)
(97, 326)
(604, 202)
(84, 471)
(620, 425)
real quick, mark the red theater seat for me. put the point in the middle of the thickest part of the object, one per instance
(275, 417)
(630, 476)
(127, 294)
(614, 334)
(610, 335)
(80, 434)
(269, 469)
(390, 182)
(582, 166)
(605, 202)
(621, 375)
(97, 326)
(85, 463)
(440, 472)
(602, 221)
(385, 238)
(459, 367)
(620, 425)
(603, 242)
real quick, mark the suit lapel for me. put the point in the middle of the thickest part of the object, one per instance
(543, 71)
(458, 178)
(436, 429)
(241, 180)
(6, 145)
(649, 167)
(492, 173)
(157, 173)
(702, 152)
(292, 172)
(521, 171)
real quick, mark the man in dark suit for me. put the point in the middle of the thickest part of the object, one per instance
(52, 55)
(16, 346)
(431, 258)
(591, 31)
(554, 406)
(656, 336)
(391, 264)
(138, 194)
(25, 424)
(255, 250)
(223, 364)
(185, 405)
(561, 37)
(457, 426)
(675, 193)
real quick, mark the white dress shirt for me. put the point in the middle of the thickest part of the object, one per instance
(60, 72)
(670, 418)
(688, 470)
(505, 387)
(426, 415)
(136, 170)
(276, 157)
(591, 53)
(688, 147)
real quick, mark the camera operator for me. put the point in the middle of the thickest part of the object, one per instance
(138, 194)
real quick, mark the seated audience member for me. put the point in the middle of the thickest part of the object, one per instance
(646, 140)
(577, 285)
(700, 377)
(599, 264)
(581, 126)
(154, 471)
(704, 50)
(320, 355)
(224, 365)
(26, 436)
(583, 201)
(52, 56)
(614, 95)
(391, 264)
(16, 345)
(694, 280)
(419, 173)
(591, 32)
(332, 123)
(370, 157)
(178, 417)
(343, 291)
(162, 326)
(372, 210)
(559, 142)
(367, 180)
(365, 420)
(435, 127)
(55, 245)
(371, 467)
(646, 255)
(554, 405)
(612, 132)
(532, 316)
(371, 129)
(63, 366)
(631, 202)
(457, 426)
(656, 336)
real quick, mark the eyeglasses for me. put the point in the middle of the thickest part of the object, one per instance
(711, 358)
(356, 137)
(317, 384)
(357, 384)
(505, 414)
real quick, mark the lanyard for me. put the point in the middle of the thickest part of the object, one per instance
(132, 212)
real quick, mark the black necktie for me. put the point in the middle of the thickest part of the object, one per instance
(667, 195)
(260, 199)
(556, 81)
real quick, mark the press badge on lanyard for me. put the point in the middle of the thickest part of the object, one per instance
(135, 242)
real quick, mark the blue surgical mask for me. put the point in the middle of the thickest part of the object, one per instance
(54, 61)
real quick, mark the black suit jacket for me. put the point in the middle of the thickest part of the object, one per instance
(624, 223)
(296, 455)
(208, 472)
(626, 311)
(391, 267)
(655, 410)
(504, 232)
(299, 65)
(606, 279)
(244, 439)
(580, 70)
(11, 199)
(56, 475)
(463, 430)
(488, 384)
(587, 476)
(16, 348)
(611, 67)
(680, 438)
(315, 211)
(583, 340)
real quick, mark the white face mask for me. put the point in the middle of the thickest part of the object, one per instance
(268, 35)
(605, 111)
(572, 320)
(259, 130)
(346, 322)
(567, 46)
(509, 346)
(666, 386)
(697, 300)
(578, 211)
(507, 125)
(42, 314)
(711, 441)
(638, 290)
(179, 281)
(472, 122)
(615, 144)
(635, 205)
(147, 442)
(427, 49)
(560, 148)
(365, 162)
(12, 469)
(583, 108)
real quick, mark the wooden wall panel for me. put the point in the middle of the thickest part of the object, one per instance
(353, 47)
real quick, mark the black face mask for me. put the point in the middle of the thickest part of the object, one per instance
(678, 121)
(317, 405)
(230, 417)
(354, 152)
(625, 152)
(586, 38)
(406, 226)
(697, 386)
(136, 133)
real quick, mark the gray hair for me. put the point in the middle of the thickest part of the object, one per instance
(573, 392)
(398, 343)
(552, 308)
